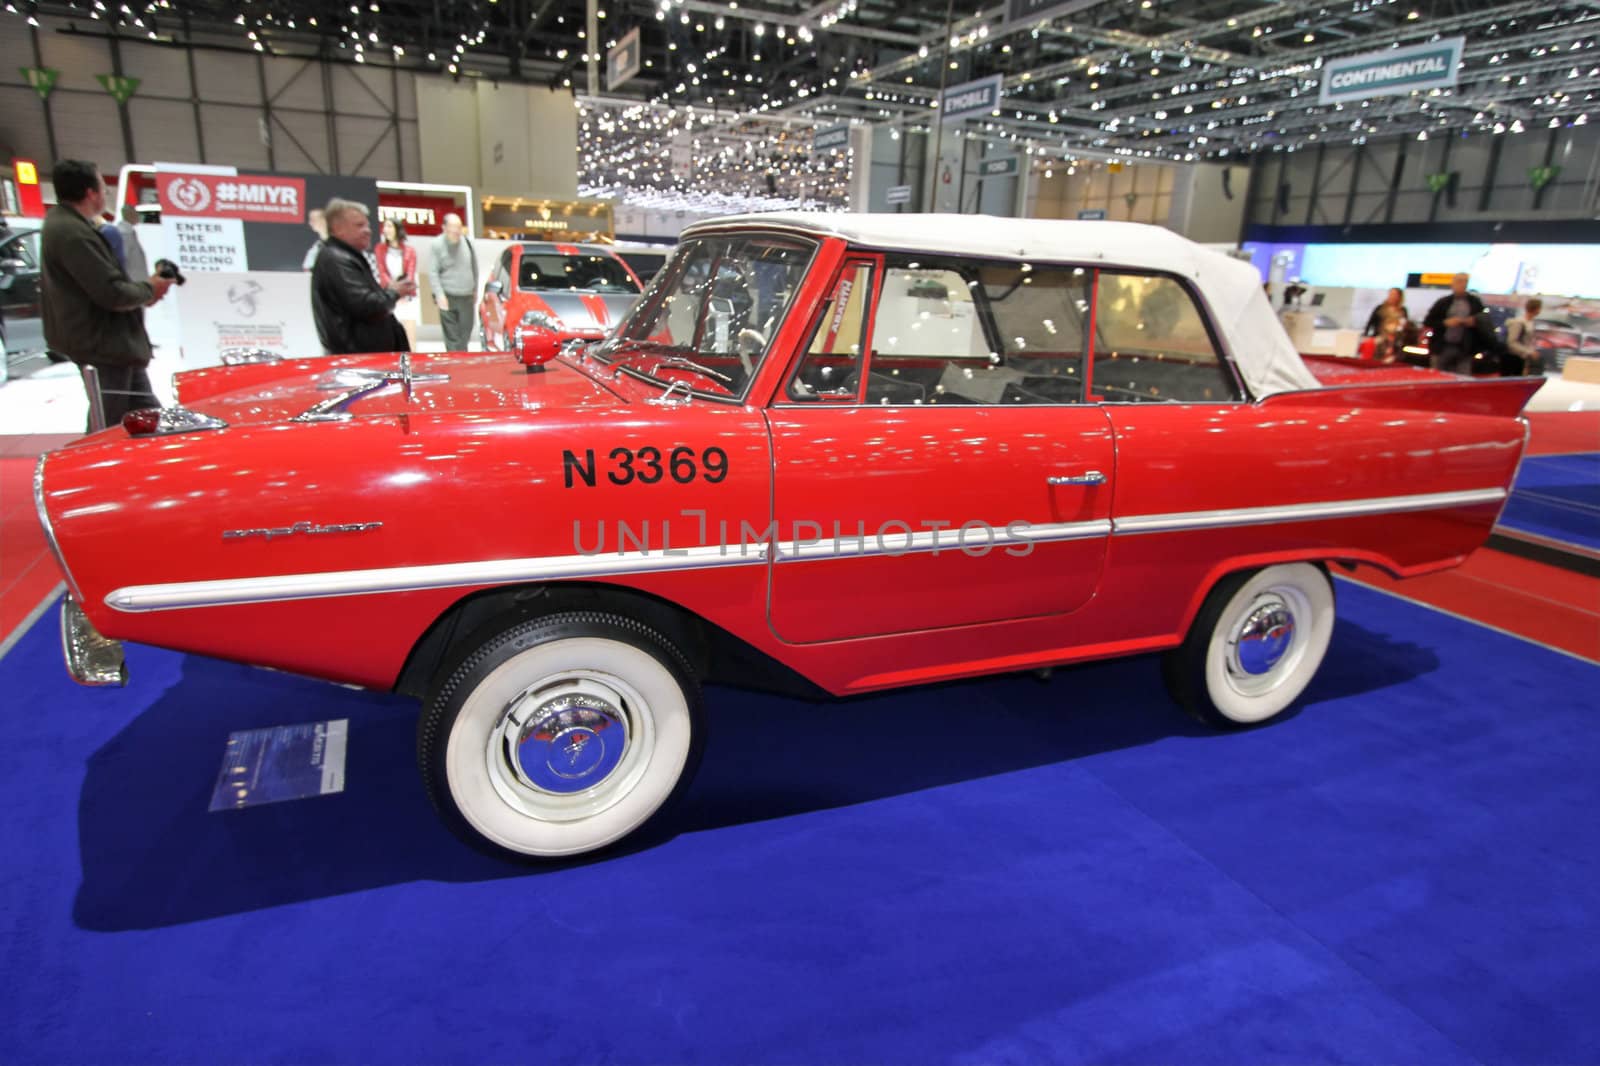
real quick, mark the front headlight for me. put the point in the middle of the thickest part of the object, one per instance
(542, 320)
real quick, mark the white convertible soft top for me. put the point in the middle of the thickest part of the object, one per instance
(1231, 288)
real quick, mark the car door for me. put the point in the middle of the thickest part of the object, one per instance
(491, 310)
(934, 461)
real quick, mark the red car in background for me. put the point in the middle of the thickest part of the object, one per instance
(542, 294)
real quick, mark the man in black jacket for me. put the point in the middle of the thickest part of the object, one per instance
(93, 312)
(1457, 333)
(354, 313)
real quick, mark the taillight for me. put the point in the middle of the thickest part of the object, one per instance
(161, 421)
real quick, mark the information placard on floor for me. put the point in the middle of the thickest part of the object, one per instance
(287, 762)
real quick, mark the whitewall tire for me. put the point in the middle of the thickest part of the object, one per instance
(1255, 645)
(560, 735)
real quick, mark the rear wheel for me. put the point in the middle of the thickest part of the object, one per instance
(1254, 647)
(560, 735)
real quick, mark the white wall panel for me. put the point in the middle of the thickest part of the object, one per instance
(372, 138)
(163, 131)
(406, 89)
(361, 91)
(233, 136)
(78, 59)
(1413, 205)
(411, 152)
(295, 83)
(447, 128)
(161, 71)
(88, 127)
(16, 51)
(310, 154)
(227, 78)
(22, 125)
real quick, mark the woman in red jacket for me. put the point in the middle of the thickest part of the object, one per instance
(396, 258)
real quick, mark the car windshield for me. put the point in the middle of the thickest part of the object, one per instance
(590, 273)
(708, 317)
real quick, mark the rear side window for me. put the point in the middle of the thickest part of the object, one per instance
(1151, 344)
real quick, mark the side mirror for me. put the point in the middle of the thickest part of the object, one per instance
(13, 266)
(494, 287)
(536, 347)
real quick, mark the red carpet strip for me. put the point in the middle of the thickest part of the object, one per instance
(27, 573)
(1544, 604)
(1563, 432)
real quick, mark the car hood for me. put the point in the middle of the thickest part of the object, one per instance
(371, 385)
(585, 311)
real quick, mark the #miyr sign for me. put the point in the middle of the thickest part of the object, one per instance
(1393, 72)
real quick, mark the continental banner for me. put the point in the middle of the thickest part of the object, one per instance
(1393, 72)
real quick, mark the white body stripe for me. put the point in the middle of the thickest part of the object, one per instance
(236, 591)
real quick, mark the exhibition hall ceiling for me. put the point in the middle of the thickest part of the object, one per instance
(733, 92)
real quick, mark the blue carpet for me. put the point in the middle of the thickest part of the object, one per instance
(1557, 496)
(1004, 871)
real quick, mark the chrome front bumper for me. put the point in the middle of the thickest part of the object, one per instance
(91, 658)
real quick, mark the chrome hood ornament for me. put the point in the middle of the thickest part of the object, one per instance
(357, 382)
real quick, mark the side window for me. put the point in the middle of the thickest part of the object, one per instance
(22, 247)
(831, 369)
(1151, 344)
(971, 332)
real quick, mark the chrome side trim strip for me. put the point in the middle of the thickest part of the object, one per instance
(233, 592)
(894, 542)
(1254, 516)
(49, 530)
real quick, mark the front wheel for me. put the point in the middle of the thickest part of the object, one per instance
(560, 735)
(1254, 647)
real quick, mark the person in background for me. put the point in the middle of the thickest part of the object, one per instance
(93, 312)
(1521, 340)
(453, 274)
(353, 312)
(396, 257)
(1388, 323)
(317, 219)
(1455, 320)
(133, 257)
(113, 237)
(397, 260)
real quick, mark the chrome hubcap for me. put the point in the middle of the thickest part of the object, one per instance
(1266, 642)
(565, 738)
(1266, 634)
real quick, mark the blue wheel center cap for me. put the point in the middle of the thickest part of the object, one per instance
(576, 753)
(569, 744)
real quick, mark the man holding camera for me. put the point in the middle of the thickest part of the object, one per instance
(93, 312)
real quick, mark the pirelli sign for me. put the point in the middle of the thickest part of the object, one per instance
(1394, 72)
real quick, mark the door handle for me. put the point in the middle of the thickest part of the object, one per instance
(1093, 477)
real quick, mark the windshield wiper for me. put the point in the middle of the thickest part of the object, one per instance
(690, 364)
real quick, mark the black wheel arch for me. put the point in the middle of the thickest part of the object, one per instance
(714, 654)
